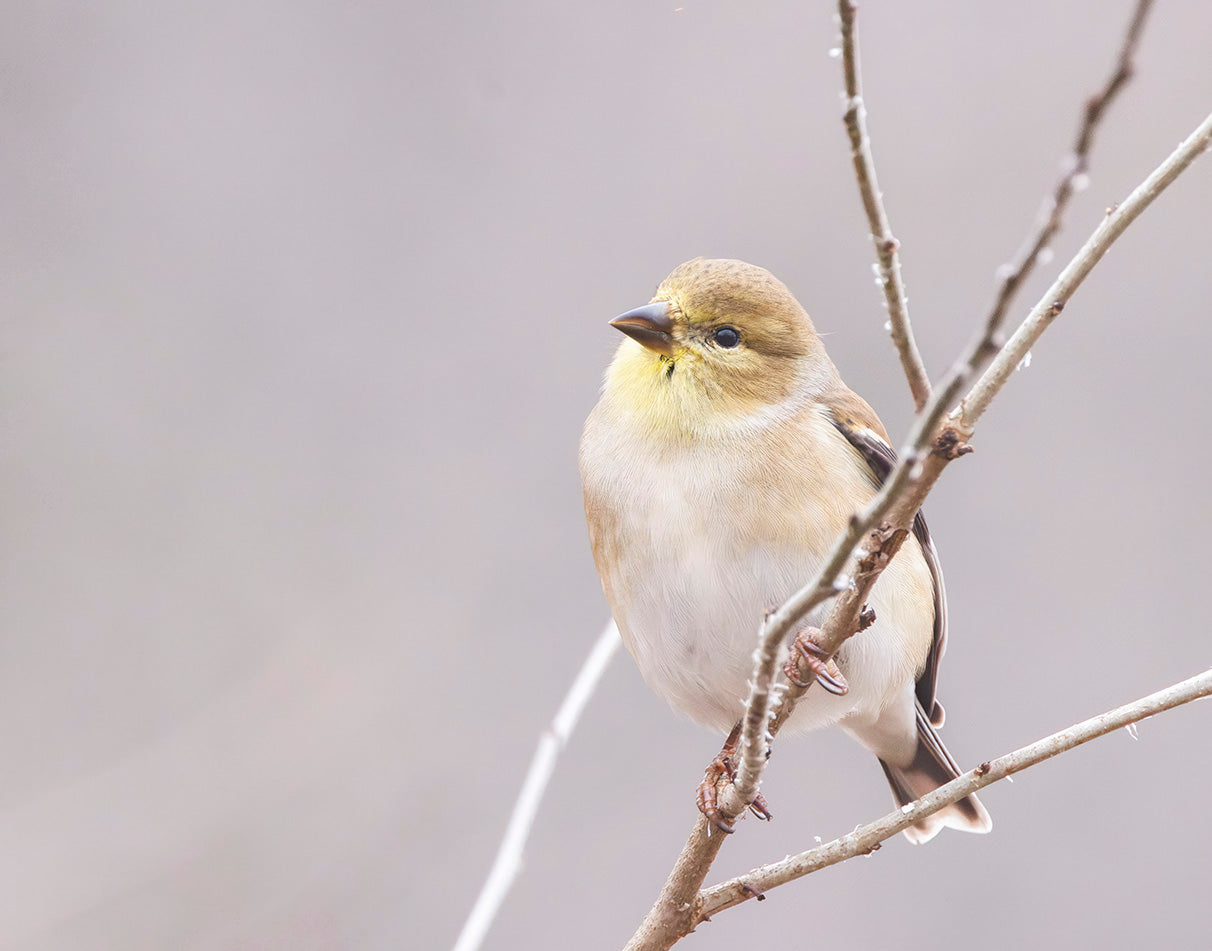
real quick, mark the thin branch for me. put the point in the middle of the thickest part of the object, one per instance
(828, 583)
(867, 838)
(888, 268)
(1011, 276)
(1053, 302)
(555, 737)
(672, 915)
(932, 447)
(917, 469)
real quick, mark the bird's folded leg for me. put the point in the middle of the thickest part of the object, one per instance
(709, 789)
(825, 670)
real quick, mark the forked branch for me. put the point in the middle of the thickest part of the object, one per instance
(867, 838)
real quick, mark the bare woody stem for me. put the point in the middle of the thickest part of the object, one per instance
(509, 854)
(1011, 276)
(1053, 302)
(897, 502)
(887, 247)
(867, 838)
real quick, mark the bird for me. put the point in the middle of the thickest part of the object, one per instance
(722, 461)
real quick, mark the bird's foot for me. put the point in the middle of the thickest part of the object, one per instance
(708, 792)
(709, 789)
(824, 669)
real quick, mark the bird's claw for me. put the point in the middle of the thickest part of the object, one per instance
(708, 795)
(824, 669)
(760, 809)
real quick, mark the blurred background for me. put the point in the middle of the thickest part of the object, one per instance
(304, 306)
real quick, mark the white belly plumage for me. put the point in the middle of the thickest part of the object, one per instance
(691, 619)
(693, 631)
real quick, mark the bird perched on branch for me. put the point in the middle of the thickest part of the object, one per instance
(722, 462)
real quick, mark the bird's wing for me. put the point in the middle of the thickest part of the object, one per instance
(861, 428)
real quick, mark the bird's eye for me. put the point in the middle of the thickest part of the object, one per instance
(726, 337)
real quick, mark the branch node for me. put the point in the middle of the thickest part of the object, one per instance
(752, 892)
(865, 839)
(948, 445)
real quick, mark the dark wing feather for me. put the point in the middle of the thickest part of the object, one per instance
(880, 458)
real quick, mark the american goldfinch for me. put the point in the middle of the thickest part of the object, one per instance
(720, 465)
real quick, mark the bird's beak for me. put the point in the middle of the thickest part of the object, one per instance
(649, 325)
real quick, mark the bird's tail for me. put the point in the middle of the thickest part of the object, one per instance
(931, 767)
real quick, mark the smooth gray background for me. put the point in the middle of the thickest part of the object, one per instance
(304, 307)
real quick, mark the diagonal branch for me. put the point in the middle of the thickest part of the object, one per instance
(1011, 276)
(555, 737)
(1053, 302)
(888, 268)
(867, 838)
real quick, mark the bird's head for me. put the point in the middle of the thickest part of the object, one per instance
(722, 344)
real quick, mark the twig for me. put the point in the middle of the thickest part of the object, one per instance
(509, 854)
(867, 838)
(1011, 276)
(1053, 302)
(887, 247)
(828, 583)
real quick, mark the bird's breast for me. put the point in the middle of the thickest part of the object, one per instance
(695, 543)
